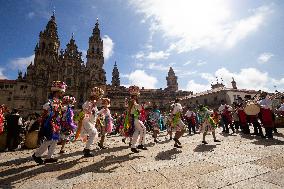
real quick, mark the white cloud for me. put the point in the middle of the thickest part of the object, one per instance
(191, 24)
(108, 47)
(2, 76)
(196, 87)
(142, 79)
(21, 63)
(159, 55)
(158, 67)
(264, 57)
(187, 63)
(247, 78)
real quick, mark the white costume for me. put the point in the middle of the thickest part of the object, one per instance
(89, 122)
(139, 129)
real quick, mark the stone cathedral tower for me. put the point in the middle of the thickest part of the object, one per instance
(172, 84)
(95, 59)
(45, 67)
(115, 82)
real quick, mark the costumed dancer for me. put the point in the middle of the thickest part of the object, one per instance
(227, 118)
(243, 119)
(2, 111)
(105, 120)
(266, 114)
(155, 118)
(209, 124)
(52, 123)
(90, 119)
(191, 121)
(68, 126)
(133, 126)
(177, 123)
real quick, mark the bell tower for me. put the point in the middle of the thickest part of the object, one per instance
(115, 76)
(172, 84)
(95, 58)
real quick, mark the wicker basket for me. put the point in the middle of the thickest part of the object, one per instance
(31, 140)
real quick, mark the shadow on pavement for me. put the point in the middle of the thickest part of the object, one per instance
(168, 154)
(204, 148)
(100, 166)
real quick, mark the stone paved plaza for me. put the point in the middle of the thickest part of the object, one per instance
(237, 162)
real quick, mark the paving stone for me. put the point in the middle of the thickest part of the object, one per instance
(230, 175)
(233, 163)
(273, 162)
(275, 177)
(252, 184)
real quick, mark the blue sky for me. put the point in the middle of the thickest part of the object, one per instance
(201, 39)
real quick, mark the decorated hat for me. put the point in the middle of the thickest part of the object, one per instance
(134, 90)
(97, 92)
(68, 100)
(58, 86)
(106, 101)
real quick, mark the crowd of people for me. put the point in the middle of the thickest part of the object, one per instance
(59, 123)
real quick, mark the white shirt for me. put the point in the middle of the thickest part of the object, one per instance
(265, 103)
(221, 108)
(177, 108)
(189, 113)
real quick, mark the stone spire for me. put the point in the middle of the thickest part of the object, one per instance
(172, 84)
(71, 51)
(46, 49)
(95, 58)
(234, 83)
(115, 76)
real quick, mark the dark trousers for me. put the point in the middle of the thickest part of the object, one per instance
(227, 127)
(237, 125)
(257, 128)
(191, 126)
(268, 132)
(13, 139)
(245, 128)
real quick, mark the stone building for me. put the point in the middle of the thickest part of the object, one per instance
(30, 92)
(216, 94)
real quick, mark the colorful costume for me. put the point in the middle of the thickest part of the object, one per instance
(178, 124)
(52, 124)
(208, 124)
(1, 119)
(266, 116)
(68, 126)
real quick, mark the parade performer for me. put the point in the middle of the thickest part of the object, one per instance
(209, 124)
(105, 121)
(2, 111)
(266, 114)
(90, 119)
(226, 114)
(52, 123)
(191, 121)
(134, 127)
(68, 125)
(243, 119)
(155, 118)
(177, 123)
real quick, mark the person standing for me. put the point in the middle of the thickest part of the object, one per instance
(14, 124)
(191, 121)
(266, 114)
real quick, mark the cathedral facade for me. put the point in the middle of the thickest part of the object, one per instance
(30, 91)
